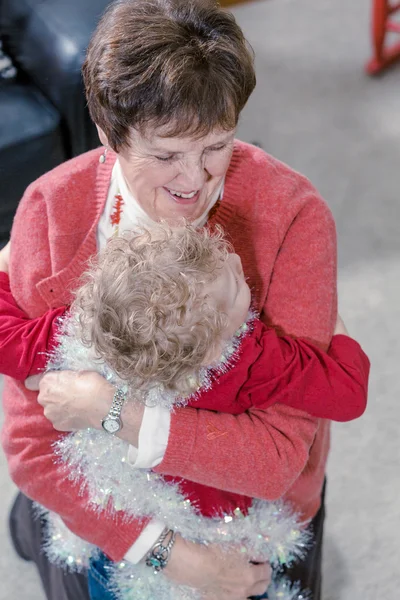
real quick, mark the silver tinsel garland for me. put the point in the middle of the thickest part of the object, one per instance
(97, 462)
(129, 583)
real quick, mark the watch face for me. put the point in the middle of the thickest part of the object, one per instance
(111, 425)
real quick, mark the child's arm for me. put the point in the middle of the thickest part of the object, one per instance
(23, 341)
(297, 373)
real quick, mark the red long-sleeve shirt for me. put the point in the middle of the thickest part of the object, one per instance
(270, 369)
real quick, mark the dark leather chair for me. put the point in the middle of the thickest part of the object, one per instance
(43, 115)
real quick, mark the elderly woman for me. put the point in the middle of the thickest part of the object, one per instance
(166, 81)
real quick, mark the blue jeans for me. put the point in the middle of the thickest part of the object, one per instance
(98, 580)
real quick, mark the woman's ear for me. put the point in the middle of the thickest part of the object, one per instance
(103, 137)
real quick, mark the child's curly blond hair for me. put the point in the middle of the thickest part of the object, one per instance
(143, 306)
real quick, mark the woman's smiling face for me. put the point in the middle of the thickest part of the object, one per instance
(175, 177)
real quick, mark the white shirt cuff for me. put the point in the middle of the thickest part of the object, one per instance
(153, 438)
(145, 541)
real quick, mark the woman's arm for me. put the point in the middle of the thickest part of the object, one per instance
(27, 436)
(41, 478)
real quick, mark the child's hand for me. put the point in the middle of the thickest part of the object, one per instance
(340, 327)
(5, 257)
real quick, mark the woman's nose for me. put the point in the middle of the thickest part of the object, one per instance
(193, 175)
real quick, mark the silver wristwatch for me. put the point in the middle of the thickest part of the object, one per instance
(112, 421)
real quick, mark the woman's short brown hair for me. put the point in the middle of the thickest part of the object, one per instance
(182, 65)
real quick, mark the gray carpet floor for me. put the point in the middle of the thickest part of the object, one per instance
(315, 109)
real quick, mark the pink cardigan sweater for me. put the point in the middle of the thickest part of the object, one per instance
(285, 236)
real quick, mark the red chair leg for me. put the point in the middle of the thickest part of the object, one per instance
(383, 57)
(379, 19)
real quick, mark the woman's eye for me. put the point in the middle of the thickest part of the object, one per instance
(218, 148)
(164, 158)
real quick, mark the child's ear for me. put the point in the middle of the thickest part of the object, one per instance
(213, 355)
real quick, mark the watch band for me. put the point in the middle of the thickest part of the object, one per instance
(112, 421)
(117, 403)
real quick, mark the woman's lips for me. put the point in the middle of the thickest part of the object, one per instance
(180, 200)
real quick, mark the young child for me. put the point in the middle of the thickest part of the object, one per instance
(169, 312)
(161, 305)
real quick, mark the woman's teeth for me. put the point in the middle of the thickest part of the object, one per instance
(182, 195)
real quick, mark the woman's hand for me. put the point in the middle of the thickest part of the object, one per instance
(77, 400)
(340, 327)
(218, 574)
(5, 258)
(73, 400)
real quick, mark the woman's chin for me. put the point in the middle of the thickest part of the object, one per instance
(190, 211)
(169, 207)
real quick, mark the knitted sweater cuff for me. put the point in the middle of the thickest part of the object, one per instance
(125, 534)
(181, 442)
